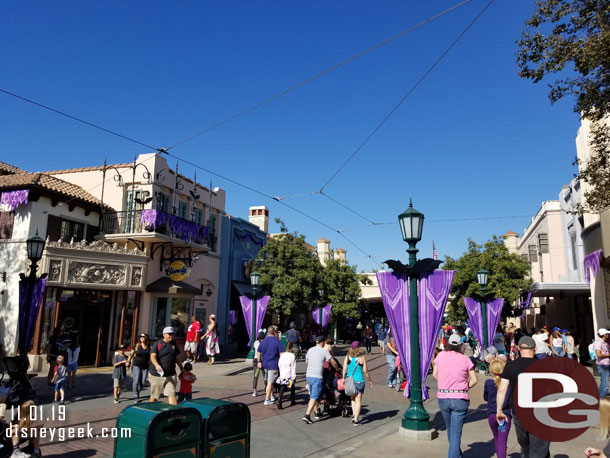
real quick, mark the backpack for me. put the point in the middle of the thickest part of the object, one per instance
(592, 351)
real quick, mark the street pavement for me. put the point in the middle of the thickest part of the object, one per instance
(282, 433)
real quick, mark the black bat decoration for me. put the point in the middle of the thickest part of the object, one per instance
(143, 202)
(420, 267)
(194, 195)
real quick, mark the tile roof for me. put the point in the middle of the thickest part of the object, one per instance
(49, 183)
(10, 169)
(88, 169)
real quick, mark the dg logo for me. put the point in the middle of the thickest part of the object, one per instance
(556, 399)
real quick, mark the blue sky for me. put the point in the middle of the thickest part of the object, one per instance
(474, 140)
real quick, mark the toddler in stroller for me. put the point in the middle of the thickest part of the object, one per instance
(335, 402)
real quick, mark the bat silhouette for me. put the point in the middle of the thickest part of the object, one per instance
(194, 195)
(143, 202)
(420, 267)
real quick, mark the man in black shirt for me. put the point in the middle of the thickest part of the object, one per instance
(164, 355)
(293, 336)
(531, 446)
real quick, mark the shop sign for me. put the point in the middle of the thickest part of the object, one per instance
(177, 271)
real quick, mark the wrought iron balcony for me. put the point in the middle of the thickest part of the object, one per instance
(157, 221)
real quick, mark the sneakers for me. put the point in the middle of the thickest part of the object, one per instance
(355, 422)
(391, 386)
(19, 454)
(61, 402)
(254, 393)
(307, 419)
(317, 415)
(272, 398)
(116, 400)
(268, 402)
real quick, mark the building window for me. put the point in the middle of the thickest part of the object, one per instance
(162, 201)
(525, 257)
(573, 250)
(6, 225)
(182, 210)
(170, 311)
(543, 240)
(71, 230)
(533, 253)
(198, 215)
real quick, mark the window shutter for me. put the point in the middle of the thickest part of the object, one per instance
(53, 228)
(92, 231)
(6, 225)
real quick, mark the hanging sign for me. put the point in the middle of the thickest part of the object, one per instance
(177, 271)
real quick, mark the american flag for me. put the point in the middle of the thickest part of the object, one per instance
(434, 253)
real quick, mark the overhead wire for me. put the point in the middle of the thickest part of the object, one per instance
(402, 100)
(318, 75)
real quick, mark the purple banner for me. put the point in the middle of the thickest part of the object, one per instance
(325, 315)
(433, 291)
(494, 310)
(592, 263)
(528, 300)
(188, 230)
(261, 308)
(14, 198)
(154, 218)
(232, 317)
(26, 330)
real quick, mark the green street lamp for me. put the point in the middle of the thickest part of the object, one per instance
(415, 418)
(255, 279)
(483, 278)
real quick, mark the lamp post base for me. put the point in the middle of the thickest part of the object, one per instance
(425, 435)
(250, 354)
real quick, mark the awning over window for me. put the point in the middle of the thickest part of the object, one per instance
(243, 287)
(540, 289)
(166, 285)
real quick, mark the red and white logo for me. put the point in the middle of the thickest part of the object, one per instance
(556, 399)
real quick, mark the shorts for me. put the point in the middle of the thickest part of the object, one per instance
(72, 367)
(162, 386)
(271, 375)
(360, 386)
(315, 387)
(60, 385)
(117, 382)
(191, 347)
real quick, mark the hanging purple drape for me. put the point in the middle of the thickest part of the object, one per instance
(592, 262)
(528, 300)
(14, 198)
(261, 308)
(433, 291)
(154, 218)
(494, 310)
(325, 315)
(232, 317)
(26, 330)
(188, 230)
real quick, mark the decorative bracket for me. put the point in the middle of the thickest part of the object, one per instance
(138, 243)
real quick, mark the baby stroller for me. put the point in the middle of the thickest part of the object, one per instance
(336, 402)
(19, 387)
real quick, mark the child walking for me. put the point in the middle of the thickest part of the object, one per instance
(119, 372)
(73, 351)
(499, 432)
(186, 383)
(288, 375)
(59, 379)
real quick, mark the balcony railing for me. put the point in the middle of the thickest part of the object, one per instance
(148, 220)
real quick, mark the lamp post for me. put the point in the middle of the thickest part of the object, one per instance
(483, 278)
(321, 294)
(415, 418)
(255, 279)
(35, 247)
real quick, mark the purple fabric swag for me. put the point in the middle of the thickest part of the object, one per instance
(433, 292)
(26, 330)
(325, 315)
(592, 263)
(232, 317)
(261, 308)
(475, 321)
(154, 218)
(14, 198)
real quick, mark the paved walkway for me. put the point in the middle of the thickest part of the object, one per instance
(283, 433)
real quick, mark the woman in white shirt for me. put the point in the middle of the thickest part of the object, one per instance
(73, 352)
(557, 345)
(288, 375)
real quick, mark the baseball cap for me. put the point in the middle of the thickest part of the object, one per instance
(292, 324)
(564, 331)
(556, 328)
(355, 344)
(602, 332)
(168, 330)
(321, 339)
(527, 342)
(455, 339)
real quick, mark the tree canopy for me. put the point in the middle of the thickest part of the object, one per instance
(509, 276)
(570, 39)
(341, 284)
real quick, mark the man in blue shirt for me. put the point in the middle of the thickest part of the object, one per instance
(268, 355)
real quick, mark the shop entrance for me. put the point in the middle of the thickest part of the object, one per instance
(85, 316)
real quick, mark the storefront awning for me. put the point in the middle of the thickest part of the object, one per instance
(166, 285)
(540, 289)
(243, 287)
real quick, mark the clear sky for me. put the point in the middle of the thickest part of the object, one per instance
(472, 141)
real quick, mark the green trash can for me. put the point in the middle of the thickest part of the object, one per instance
(225, 428)
(159, 430)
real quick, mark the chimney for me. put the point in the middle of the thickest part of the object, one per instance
(323, 251)
(259, 216)
(511, 242)
(339, 254)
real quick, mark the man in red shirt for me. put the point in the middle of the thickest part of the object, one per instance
(192, 340)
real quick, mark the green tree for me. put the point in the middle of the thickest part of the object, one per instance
(341, 285)
(290, 274)
(571, 40)
(509, 275)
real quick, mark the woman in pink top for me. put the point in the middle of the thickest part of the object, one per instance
(455, 374)
(288, 374)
